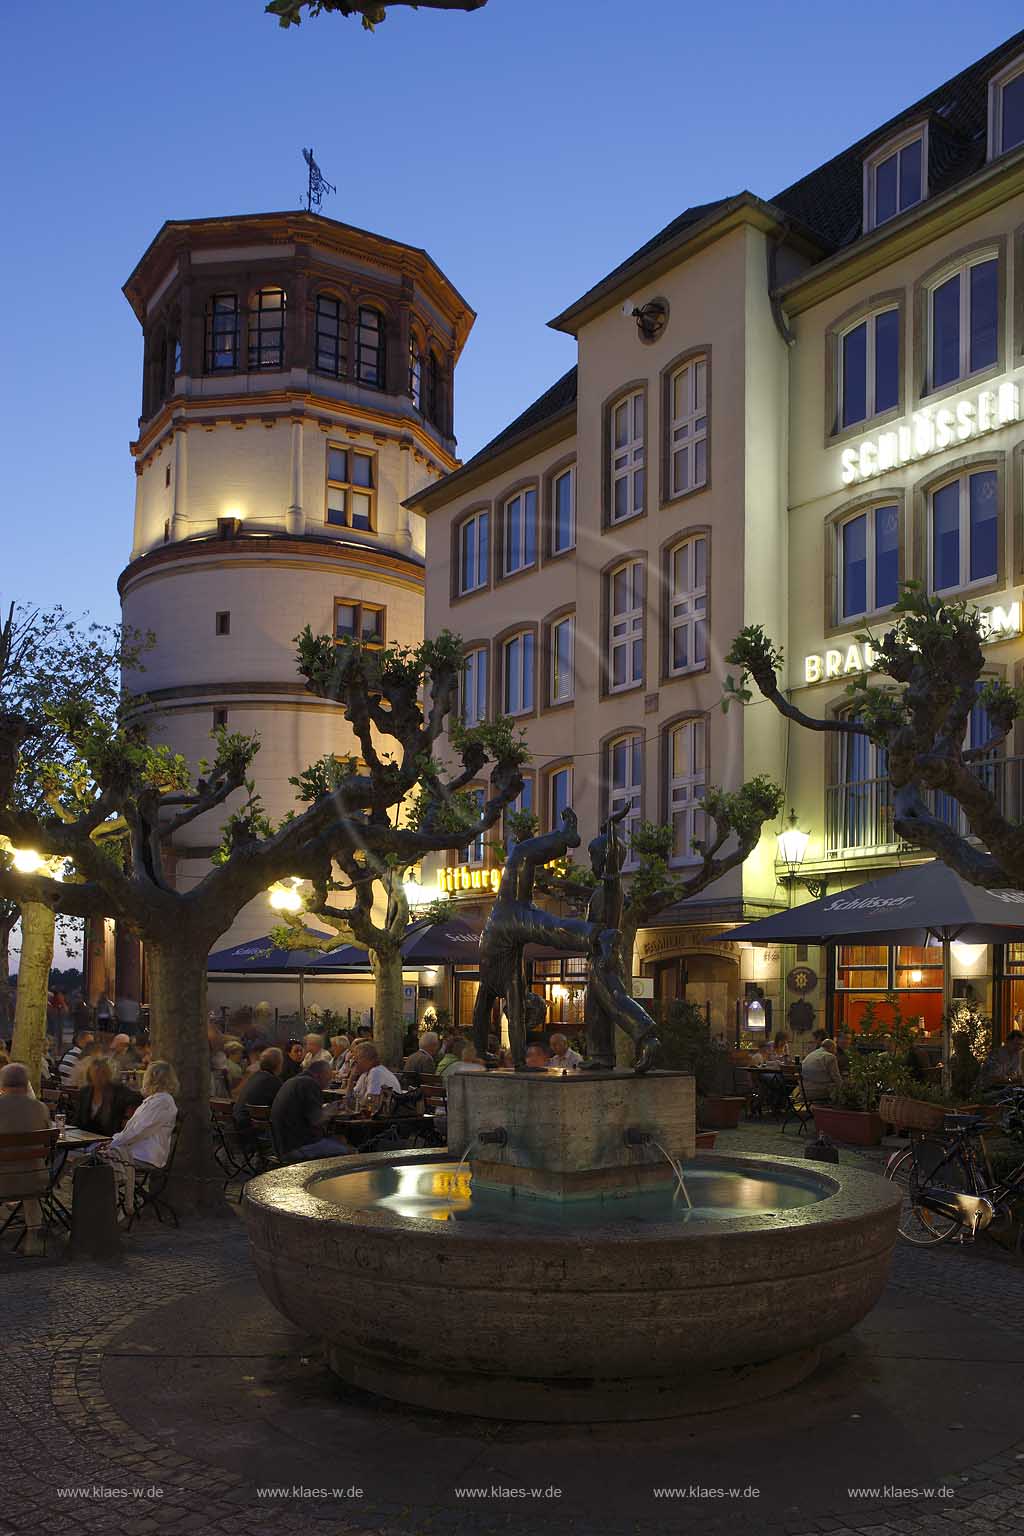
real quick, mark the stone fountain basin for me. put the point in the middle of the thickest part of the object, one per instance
(557, 1324)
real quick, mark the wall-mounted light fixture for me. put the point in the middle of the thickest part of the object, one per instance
(651, 318)
(791, 847)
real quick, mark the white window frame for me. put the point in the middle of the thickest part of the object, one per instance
(873, 607)
(631, 791)
(473, 687)
(556, 773)
(525, 664)
(563, 690)
(525, 515)
(569, 473)
(476, 851)
(685, 432)
(963, 480)
(963, 273)
(686, 790)
(996, 86)
(481, 519)
(626, 627)
(688, 608)
(870, 321)
(883, 153)
(627, 461)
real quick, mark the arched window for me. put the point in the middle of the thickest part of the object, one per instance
(432, 390)
(330, 345)
(266, 329)
(370, 348)
(221, 332)
(415, 373)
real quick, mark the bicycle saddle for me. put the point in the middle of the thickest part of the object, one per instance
(966, 1122)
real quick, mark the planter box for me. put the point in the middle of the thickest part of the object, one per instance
(706, 1141)
(854, 1126)
(720, 1112)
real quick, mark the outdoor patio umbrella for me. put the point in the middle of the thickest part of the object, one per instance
(263, 957)
(918, 904)
(427, 943)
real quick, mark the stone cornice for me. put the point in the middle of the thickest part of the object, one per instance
(300, 551)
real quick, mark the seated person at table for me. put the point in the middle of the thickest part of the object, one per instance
(1002, 1065)
(371, 1078)
(315, 1051)
(68, 1064)
(448, 1053)
(538, 1057)
(234, 1071)
(297, 1116)
(292, 1064)
(424, 1057)
(260, 1088)
(820, 1071)
(103, 1103)
(122, 1055)
(563, 1057)
(146, 1138)
(777, 1054)
(340, 1045)
(469, 1061)
(23, 1180)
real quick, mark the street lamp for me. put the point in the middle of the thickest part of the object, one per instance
(27, 861)
(285, 896)
(416, 895)
(792, 847)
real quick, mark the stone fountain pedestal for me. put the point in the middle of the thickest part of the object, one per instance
(567, 1134)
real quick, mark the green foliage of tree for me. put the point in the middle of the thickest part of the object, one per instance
(370, 12)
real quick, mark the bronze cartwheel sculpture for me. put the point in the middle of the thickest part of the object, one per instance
(515, 921)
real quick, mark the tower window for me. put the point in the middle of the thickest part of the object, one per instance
(223, 623)
(220, 719)
(415, 374)
(370, 348)
(266, 329)
(330, 349)
(167, 474)
(362, 622)
(432, 390)
(222, 332)
(351, 488)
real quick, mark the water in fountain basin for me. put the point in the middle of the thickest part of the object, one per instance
(443, 1191)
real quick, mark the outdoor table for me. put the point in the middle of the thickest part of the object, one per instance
(69, 1138)
(351, 1126)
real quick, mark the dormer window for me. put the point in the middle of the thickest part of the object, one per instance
(895, 178)
(1006, 110)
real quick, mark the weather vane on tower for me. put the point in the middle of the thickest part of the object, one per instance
(318, 183)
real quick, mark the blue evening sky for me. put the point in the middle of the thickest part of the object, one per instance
(529, 147)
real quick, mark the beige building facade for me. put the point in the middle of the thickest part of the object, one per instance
(780, 410)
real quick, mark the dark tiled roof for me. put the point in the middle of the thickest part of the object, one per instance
(829, 200)
(551, 403)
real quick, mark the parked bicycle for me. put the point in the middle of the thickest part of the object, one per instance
(948, 1191)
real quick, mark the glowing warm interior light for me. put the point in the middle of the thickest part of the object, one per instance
(26, 861)
(967, 954)
(917, 977)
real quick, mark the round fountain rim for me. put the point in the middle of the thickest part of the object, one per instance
(848, 1193)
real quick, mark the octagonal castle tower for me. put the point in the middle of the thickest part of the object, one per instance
(297, 387)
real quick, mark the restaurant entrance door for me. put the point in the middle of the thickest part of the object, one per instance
(710, 981)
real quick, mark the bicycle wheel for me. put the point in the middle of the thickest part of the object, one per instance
(917, 1224)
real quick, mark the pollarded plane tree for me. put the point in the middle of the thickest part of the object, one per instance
(112, 812)
(371, 12)
(931, 663)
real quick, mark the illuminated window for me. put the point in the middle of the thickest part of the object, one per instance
(868, 374)
(222, 332)
(474, 552)
(627, 450)
(895, 179)
(331, 338)
(963, 323)
(963, 531)
(350, 489)
(473, 688)
(519, 532)
(626, 626)
(563, 646)
(415, 374)
(266, 329)
(362, 622)
(686, 783)
(625, 782)
(517, 669)
(868, 563)
(688, 428)
(688, 605)
(563, 511)
(370, 348)
(1006, 110)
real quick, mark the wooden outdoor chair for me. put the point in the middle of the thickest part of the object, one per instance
(16, 1149)
(745, 1086)
(797, 1105)
(151, 1186)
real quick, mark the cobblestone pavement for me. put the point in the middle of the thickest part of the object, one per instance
(80, 1410)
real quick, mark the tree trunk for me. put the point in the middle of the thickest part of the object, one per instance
(177, 989)
(625, 1055)
(37, 929)
(8, 919)
(389, 1025)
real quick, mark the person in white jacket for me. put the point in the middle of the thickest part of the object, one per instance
(145, 1140)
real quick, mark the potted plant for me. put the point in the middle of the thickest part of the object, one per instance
(687, 1047)
(883, 1068)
